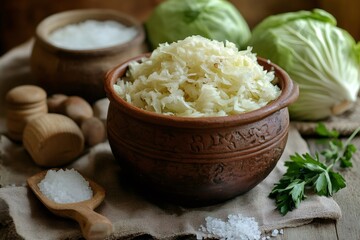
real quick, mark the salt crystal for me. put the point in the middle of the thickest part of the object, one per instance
(236, 227)
(92, 34)
(281, 231)
(65, 186)
(274, 233)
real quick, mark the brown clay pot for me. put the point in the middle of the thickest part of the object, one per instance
(198, 161)
(80, 72)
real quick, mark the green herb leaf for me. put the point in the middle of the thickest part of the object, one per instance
(323, 185)
(321, 130)
(345, 160)
(338, 181)
(288, 194)
(311, 172)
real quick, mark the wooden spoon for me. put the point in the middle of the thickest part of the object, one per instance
(93, 225)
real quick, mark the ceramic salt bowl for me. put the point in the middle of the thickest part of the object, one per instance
(80, 72)
(198, 161)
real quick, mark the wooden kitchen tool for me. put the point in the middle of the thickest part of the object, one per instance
(53, 140)
(24, 103)
(93, 225)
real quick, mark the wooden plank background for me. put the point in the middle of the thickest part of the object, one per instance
(18, 19)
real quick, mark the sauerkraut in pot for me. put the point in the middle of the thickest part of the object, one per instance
(198, 77)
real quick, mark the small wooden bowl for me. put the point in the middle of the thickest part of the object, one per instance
(53, 140)
(80, 72)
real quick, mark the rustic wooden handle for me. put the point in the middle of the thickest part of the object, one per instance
(93, 225)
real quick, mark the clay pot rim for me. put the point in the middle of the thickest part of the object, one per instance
(289, 94)
(64, 18)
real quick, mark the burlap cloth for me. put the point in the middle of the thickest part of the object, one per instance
(25, 217)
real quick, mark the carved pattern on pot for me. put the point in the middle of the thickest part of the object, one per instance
(207, 174)
(131, 130)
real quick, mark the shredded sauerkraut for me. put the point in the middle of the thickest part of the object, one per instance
(198, 77)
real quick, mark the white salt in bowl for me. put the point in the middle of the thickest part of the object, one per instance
(73, 70)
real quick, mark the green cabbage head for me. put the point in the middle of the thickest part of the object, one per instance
(175, 20)
(321, 58)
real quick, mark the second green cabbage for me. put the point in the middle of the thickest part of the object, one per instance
(175, 20)
(322, 59)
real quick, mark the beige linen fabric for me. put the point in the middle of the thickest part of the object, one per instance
(130, 213)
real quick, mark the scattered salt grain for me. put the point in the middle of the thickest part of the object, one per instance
(65, 186)
(236, 227)
(274, 233)
(92, 34)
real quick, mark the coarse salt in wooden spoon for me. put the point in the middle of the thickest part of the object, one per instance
(93, 225)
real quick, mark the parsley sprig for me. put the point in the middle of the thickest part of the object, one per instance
(314, 173)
